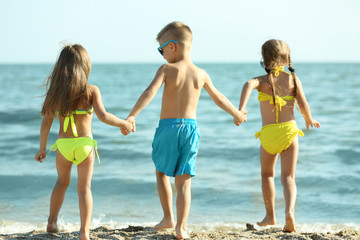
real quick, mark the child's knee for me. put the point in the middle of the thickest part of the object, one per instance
(183, 181)
(83, 187)
(64, 183)
(267, 174)
(287, 180)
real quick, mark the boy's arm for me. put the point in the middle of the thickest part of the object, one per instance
(149, 93)
(223, 102)
(304, 106)
(105, 116)
(44, 134)
(246, 92)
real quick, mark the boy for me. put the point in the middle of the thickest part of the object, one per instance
(176, 140)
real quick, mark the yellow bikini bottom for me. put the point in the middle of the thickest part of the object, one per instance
(75, 150)
(277, 137)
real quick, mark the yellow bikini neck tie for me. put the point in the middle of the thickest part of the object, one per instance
(277, 71)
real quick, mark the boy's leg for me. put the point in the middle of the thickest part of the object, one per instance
(85, 172)
(288, 167)
(63, 167)
(183, 201)
(165, 195)
(268, 162)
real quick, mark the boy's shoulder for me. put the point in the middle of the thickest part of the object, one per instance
(179, 66)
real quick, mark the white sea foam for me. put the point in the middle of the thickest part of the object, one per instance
(9, 227)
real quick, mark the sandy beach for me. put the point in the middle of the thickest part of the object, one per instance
(139, 232)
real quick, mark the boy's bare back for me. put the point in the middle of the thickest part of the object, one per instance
(183, 83)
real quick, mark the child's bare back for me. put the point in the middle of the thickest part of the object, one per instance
(183, 83)
(284, 87)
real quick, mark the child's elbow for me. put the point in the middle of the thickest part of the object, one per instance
(102, 116)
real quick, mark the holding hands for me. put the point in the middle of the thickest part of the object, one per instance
(129, 126)
(240, 117)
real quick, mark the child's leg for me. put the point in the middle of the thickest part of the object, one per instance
(288, 167)
(165, 195)
(63, 167)
(183, 201)
(85, 172)
(268, 162)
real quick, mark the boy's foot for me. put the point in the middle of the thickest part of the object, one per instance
(267, 221)
(52, 228)
(164, 224)
(289, 225)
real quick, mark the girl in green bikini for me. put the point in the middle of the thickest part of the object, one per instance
(73, 101)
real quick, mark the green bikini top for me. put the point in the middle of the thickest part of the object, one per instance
(71, 119)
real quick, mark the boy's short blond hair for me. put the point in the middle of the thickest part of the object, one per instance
(176, 31)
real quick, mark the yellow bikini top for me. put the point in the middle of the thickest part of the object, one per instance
(279, 101)
(72, 120)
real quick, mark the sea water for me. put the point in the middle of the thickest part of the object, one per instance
(226, 193)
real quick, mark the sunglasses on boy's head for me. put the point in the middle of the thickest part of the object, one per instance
(166, 43)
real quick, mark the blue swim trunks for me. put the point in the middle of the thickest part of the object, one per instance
(175, 146)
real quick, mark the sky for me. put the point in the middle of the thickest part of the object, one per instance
(124, 31)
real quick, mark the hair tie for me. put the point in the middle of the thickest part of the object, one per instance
(291, 69)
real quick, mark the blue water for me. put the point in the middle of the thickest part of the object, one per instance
(227, 189)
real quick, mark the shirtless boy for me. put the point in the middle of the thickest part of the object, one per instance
(176, 140)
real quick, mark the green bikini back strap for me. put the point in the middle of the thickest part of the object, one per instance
(71, 119)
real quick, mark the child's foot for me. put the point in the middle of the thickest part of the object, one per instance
(164, 224)
(181, 234)
(290, 224)
(52, 228)
(84, 236)
(267, 221)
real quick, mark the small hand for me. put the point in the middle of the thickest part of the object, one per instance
(40, 155)
(241, 117)
(312, 123)
(132, 121)
(130, 126)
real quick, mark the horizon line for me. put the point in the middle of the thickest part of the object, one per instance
(197, 62)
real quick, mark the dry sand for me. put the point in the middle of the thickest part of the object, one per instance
(138, 233)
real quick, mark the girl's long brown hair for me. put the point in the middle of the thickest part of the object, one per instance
(275, 53)
(67, 86)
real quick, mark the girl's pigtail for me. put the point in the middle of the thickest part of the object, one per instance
(271, 81)
(292, 70)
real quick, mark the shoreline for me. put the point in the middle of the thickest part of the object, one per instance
(143, 232)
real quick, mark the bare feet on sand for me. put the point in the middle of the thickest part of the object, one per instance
(164, 224)
(290, 224)
(267, 221)
(52, 228)
(181, 233)
(84, 236)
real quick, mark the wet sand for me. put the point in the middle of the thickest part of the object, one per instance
(139, 233)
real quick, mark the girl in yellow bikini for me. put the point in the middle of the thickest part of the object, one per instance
(278, 91)
(73, 100)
